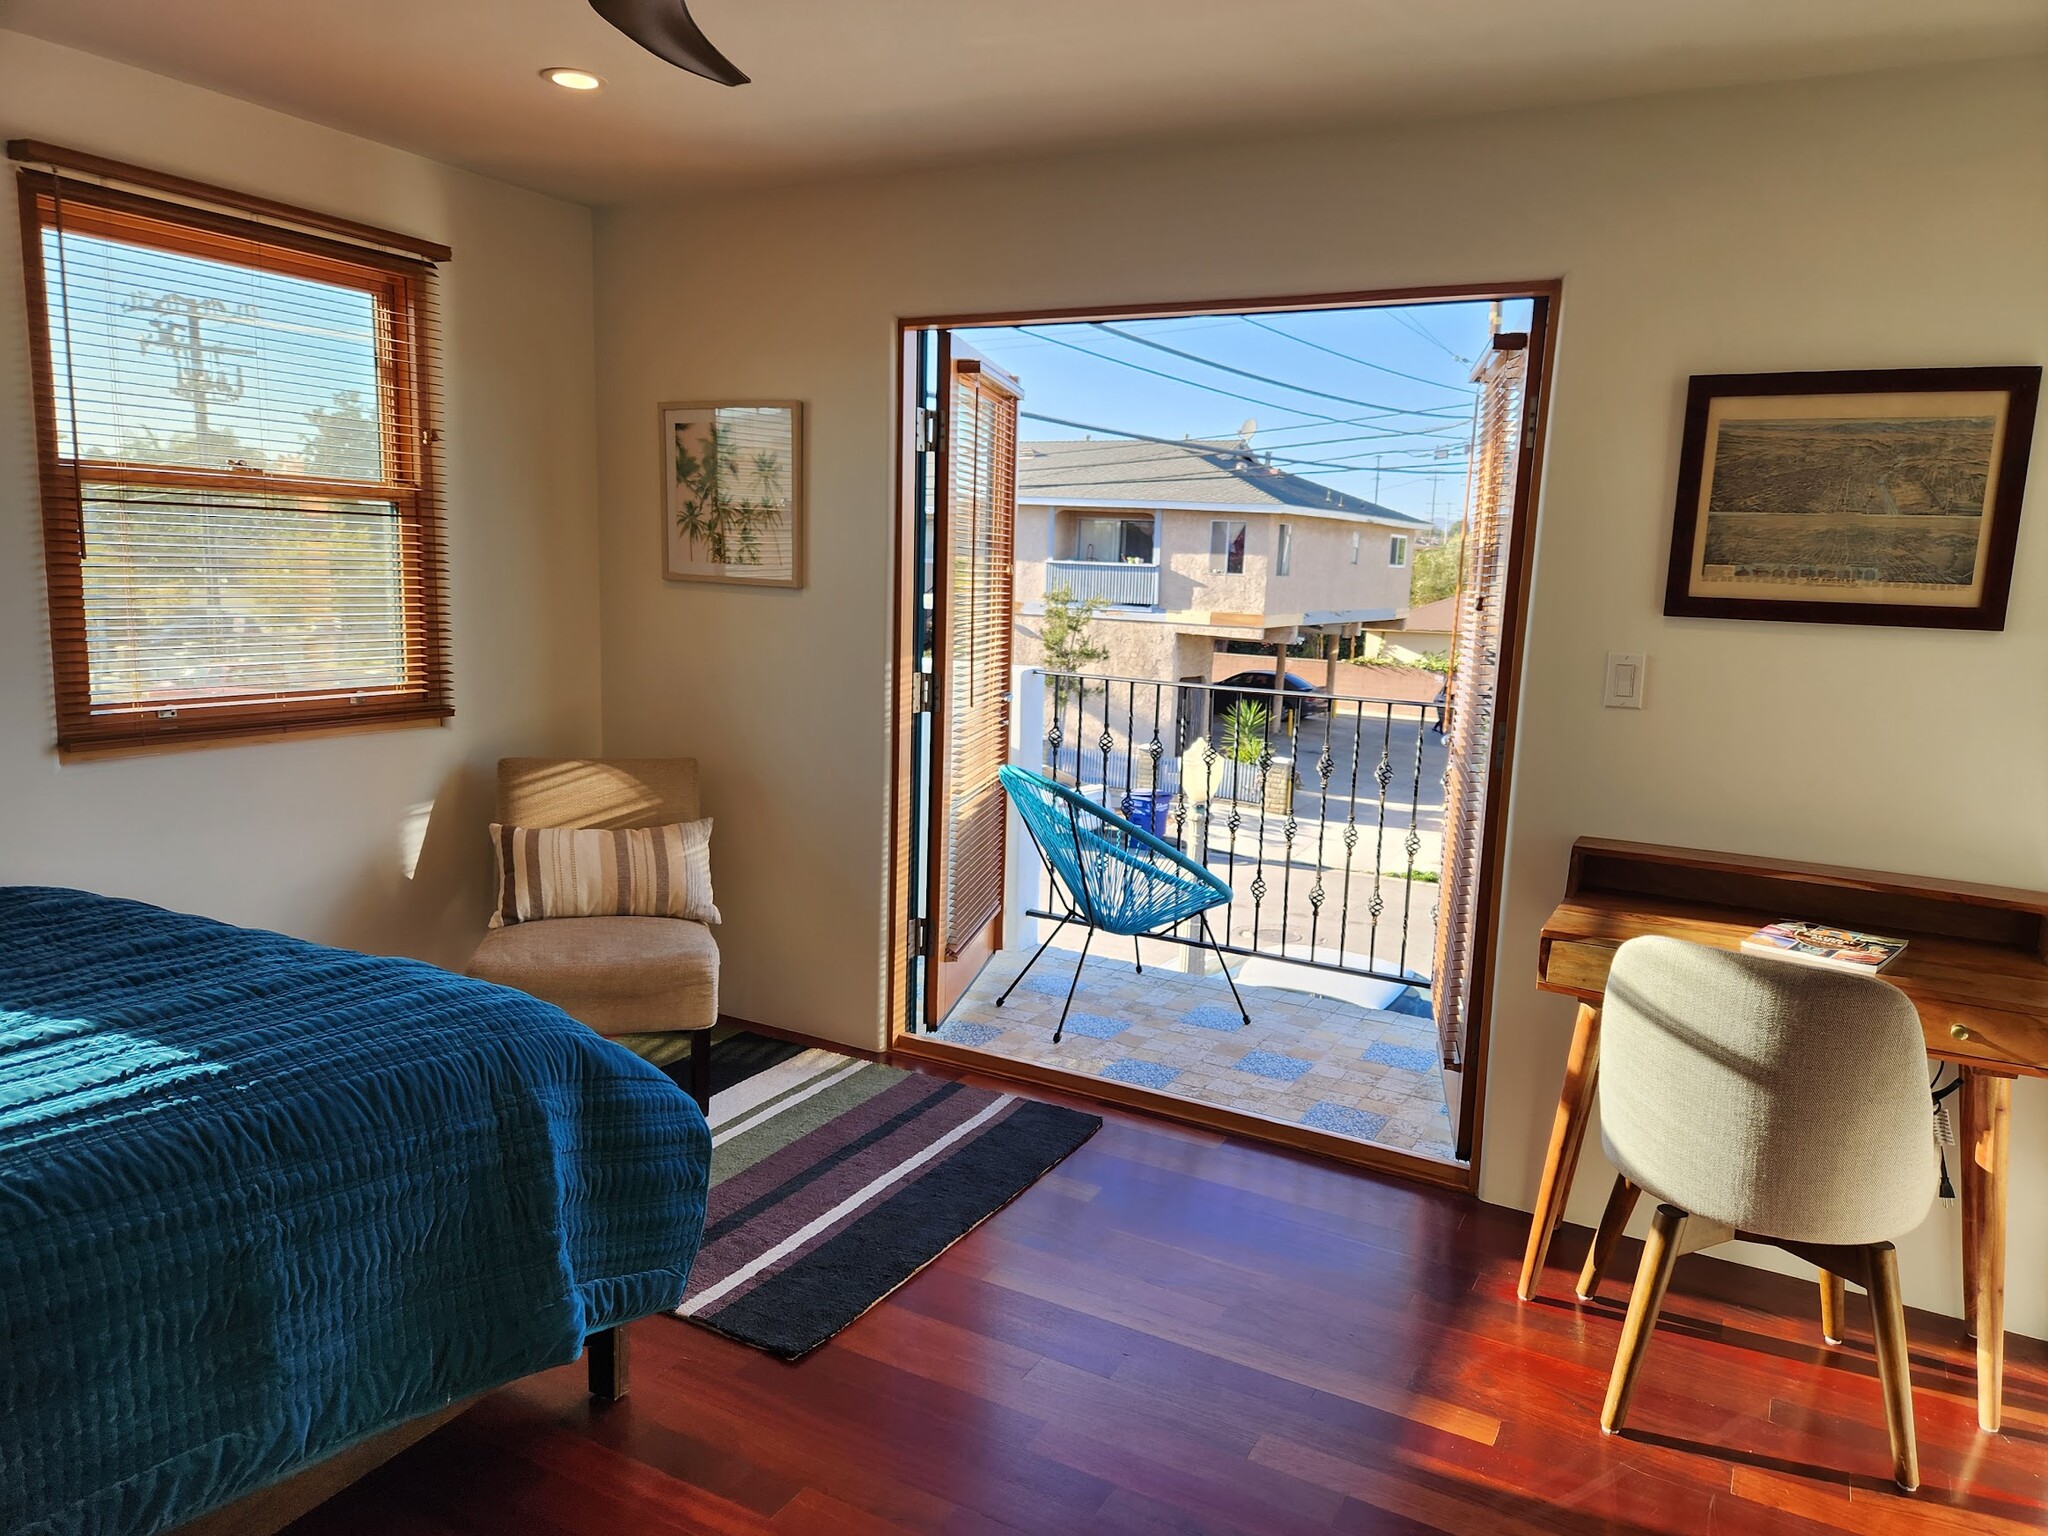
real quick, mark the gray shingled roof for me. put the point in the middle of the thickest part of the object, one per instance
(1150, 474)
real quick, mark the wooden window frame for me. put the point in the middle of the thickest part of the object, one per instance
(401, 288)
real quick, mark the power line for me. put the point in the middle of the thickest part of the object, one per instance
(1276, 405)
(1196, 446)
(1053, 492)
(1245, 373)
(1225, 443)
(1417, 327)
(1456, 389)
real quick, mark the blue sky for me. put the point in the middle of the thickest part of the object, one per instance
(295, 344)
(1376, 402)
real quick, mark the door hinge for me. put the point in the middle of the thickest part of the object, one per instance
(920, 935)
(931, 430)
(923, 693)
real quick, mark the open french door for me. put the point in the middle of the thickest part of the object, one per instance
(970, 435)
(1479, 715)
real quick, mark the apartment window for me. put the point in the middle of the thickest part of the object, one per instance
(1283, 559)
(1226, 547)
(1125, 540)
(1397, 550)
(1355, 540)
(236, 441)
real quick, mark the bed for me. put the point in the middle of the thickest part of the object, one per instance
(266, 1207)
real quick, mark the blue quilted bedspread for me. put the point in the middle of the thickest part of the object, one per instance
(260, 1199)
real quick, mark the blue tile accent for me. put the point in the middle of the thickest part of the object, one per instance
(1207, 1017)
(1344, 1120)
(1413, 1003)
(1055, 971)
(1095, 1026)
(1272, 1064)
(1411, 1058)
(961, 1032)
(1141, 1074)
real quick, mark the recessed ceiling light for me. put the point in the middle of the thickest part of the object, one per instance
(572, 79)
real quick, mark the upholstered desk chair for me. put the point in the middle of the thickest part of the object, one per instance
(1775, 1102)
(618, 975)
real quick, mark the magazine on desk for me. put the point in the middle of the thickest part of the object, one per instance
(1822, 944)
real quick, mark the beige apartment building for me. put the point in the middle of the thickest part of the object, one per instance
(1193, 543)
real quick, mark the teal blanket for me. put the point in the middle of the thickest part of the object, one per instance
(261, 1199)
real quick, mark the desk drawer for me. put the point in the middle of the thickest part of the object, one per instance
(1579, 965)
(1992, 1039)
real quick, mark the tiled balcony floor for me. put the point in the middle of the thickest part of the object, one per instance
(1307, 1059)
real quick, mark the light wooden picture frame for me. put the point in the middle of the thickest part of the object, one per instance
(732, 492)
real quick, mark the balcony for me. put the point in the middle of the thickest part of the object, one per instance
(1326, 820)
(1121, 584)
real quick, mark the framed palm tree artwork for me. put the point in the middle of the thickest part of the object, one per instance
(732, 475)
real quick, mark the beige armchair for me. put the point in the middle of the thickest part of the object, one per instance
(618, 975)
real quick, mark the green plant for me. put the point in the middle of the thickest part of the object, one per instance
(1244, 731)
(1422, 662)
(727, 524)
(1069, 645)
(1434, 570)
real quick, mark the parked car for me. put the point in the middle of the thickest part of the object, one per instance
(1300, 693)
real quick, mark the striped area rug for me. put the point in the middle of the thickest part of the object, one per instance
(834, 1180)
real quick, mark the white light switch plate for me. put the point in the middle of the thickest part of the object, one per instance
(1625, 673)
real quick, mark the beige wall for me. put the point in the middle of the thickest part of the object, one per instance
(1877, 221)
(314, 837)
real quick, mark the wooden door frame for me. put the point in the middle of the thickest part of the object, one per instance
(1547, 296)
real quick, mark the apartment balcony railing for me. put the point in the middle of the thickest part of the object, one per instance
(1324, 815)
(1119, 584)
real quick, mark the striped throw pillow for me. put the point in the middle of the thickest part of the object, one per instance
(584, 872)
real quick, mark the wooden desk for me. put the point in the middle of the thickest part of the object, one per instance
(1974, 966)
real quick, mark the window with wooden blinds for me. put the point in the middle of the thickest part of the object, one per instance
(235, 424)
(981, 427)
(1471, 697)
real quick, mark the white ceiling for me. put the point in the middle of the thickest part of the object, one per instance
(870, 83)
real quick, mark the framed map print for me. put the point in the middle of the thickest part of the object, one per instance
(1872, 497)
(733, 492)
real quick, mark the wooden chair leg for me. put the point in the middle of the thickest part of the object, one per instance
(1832, 1301)
(1621, 1204)
(1894, 1369)
(1567, 1134)
(1660, 1253)
(608, 1359)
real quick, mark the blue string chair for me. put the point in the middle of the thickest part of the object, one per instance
(1111, 874)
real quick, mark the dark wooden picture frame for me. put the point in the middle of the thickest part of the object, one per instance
(1837, 453)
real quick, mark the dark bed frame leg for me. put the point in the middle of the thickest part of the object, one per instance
(608, 1357)
(700, 1069)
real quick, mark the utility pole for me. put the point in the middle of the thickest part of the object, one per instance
(203, 375)
(202, 369)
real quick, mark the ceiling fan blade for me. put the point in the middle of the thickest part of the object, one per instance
(664, 29)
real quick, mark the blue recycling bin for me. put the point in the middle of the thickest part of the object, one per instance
(1150, 809)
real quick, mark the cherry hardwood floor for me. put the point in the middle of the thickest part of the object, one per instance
(1176, 1332)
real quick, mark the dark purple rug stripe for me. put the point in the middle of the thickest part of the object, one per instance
(880, 1157)
(784, 1172)
(807, 1302)
(885, 1161)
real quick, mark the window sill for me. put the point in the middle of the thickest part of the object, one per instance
(246, 734)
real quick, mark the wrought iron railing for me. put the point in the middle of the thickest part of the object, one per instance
(1324, 814)
(1122, 584)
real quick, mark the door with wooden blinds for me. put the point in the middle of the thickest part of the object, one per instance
(975, 538)
(1472, 696)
